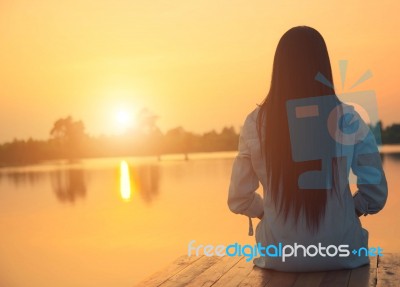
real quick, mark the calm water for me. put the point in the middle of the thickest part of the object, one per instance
(113, 222)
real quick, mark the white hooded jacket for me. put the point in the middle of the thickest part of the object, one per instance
(339, 226)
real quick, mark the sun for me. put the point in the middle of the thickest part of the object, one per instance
(124, 119)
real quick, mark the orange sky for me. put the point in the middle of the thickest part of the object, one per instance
(200, 64)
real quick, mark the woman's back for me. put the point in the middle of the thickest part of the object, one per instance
(339, 227)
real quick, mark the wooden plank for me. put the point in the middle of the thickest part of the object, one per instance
(309, 279)
(235, 275)
(215, 272)
(257, 277)
(373, 277)
(388, 270)
(235, 271)
(186, 275)
(163, 275)
(336, 278)
(364, 276)
(282, 279)
(373, 271)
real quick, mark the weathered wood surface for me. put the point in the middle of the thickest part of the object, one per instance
(235, 271)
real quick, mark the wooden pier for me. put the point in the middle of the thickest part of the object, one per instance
(235, 271)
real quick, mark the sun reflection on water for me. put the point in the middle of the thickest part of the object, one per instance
(125, 181)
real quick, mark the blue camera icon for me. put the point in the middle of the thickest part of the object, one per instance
(333, 128)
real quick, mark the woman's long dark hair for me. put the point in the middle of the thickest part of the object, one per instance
(300, 55)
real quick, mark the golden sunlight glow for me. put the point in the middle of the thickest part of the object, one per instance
(125, 181)
(123, 118)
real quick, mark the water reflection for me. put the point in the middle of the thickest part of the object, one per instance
(149, 182)
(125, 181)
(143, 180)
(68, 185)
(22, 178)
(105, 229)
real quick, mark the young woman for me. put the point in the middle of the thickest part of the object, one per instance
(306, 199)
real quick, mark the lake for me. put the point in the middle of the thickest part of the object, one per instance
(115, 221)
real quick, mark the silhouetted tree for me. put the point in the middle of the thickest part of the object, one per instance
(391, 134)
(146, 122)
(68, 130)
(177, 140)
(69, 134)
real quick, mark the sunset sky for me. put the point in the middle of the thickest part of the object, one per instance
(197, 64)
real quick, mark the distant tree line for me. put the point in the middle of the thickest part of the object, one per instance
(391, 134)
(68, 140)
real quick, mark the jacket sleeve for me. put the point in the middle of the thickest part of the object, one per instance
(372, 188)
(242, 198)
